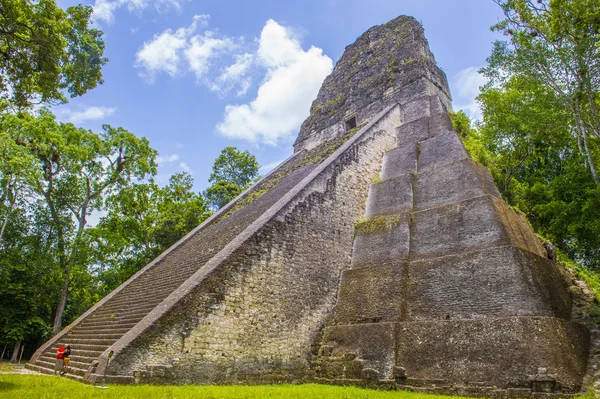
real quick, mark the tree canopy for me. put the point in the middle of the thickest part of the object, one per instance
(233, 171)
(540, 130)
(46, 50)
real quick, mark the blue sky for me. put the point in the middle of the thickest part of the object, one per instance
(196, 76)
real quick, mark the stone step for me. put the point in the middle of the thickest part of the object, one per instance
(109, 311)
(87, 353)
(440, 150)
(81, 347)
(390, 197)
(450, 183)
(381, 241)
(130, 314)
(102, 330)
(443, 185)
(78, 365)
(81, 341)
(50, 367)
(84, 359)
(91, 335)
(149, 291)
(107, 323)
(469, 225)
(46, 370)
(117, 309)
(399, 161)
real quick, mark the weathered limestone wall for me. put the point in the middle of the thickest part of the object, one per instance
(256, 316)
(449, 289)
(388, 64)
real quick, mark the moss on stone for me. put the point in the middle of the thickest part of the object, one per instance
(380, 223)
(376, 179)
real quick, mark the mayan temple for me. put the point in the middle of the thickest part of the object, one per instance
(378, 254)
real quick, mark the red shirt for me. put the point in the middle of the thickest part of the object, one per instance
(61, 353)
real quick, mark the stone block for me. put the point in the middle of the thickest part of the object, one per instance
(416, 109)
(439, 124)
(383, 246)
(370, 295)
(495, 282)
(373, 344)
(451, 183)
(501, 352)
(440, 150)
(390, 197)
(412, 132)
(418, 88)
(399, 161)
(437, 107)
(469, 225)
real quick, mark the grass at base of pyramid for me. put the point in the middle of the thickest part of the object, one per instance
(50, 387)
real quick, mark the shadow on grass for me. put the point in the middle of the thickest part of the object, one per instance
(7, 386)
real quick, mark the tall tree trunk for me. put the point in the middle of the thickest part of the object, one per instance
(3, 351)
(583, 132)
(590, 159)
(593, 111)
(62, 302)
(5, 221)
(15, 354)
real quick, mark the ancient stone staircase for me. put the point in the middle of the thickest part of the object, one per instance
(108, 321)
(446, 280)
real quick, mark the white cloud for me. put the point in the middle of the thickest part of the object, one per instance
(185, 167)
(161, 160)
(202, 48)
(104, 10)
(89, 114)
(235, 75)
(163, 52)
(293, 79)
(466, 85)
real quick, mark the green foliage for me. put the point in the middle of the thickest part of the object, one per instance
(45, 50)
(540, 133)
(233, 172)
(234, 166)
(68, 173)
(538, 170)
(221, 193)
(553, 45)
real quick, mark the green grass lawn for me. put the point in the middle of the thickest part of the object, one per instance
(7, 367)
(49, 387)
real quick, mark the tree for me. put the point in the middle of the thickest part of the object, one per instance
(221, 193)
(17, 174)
(233, 171)
(554, 43)
(45, 50)
(526, 143)
(540, 134)
(77, 169)
(179, 211)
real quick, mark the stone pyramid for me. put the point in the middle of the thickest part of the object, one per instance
(378, 254)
